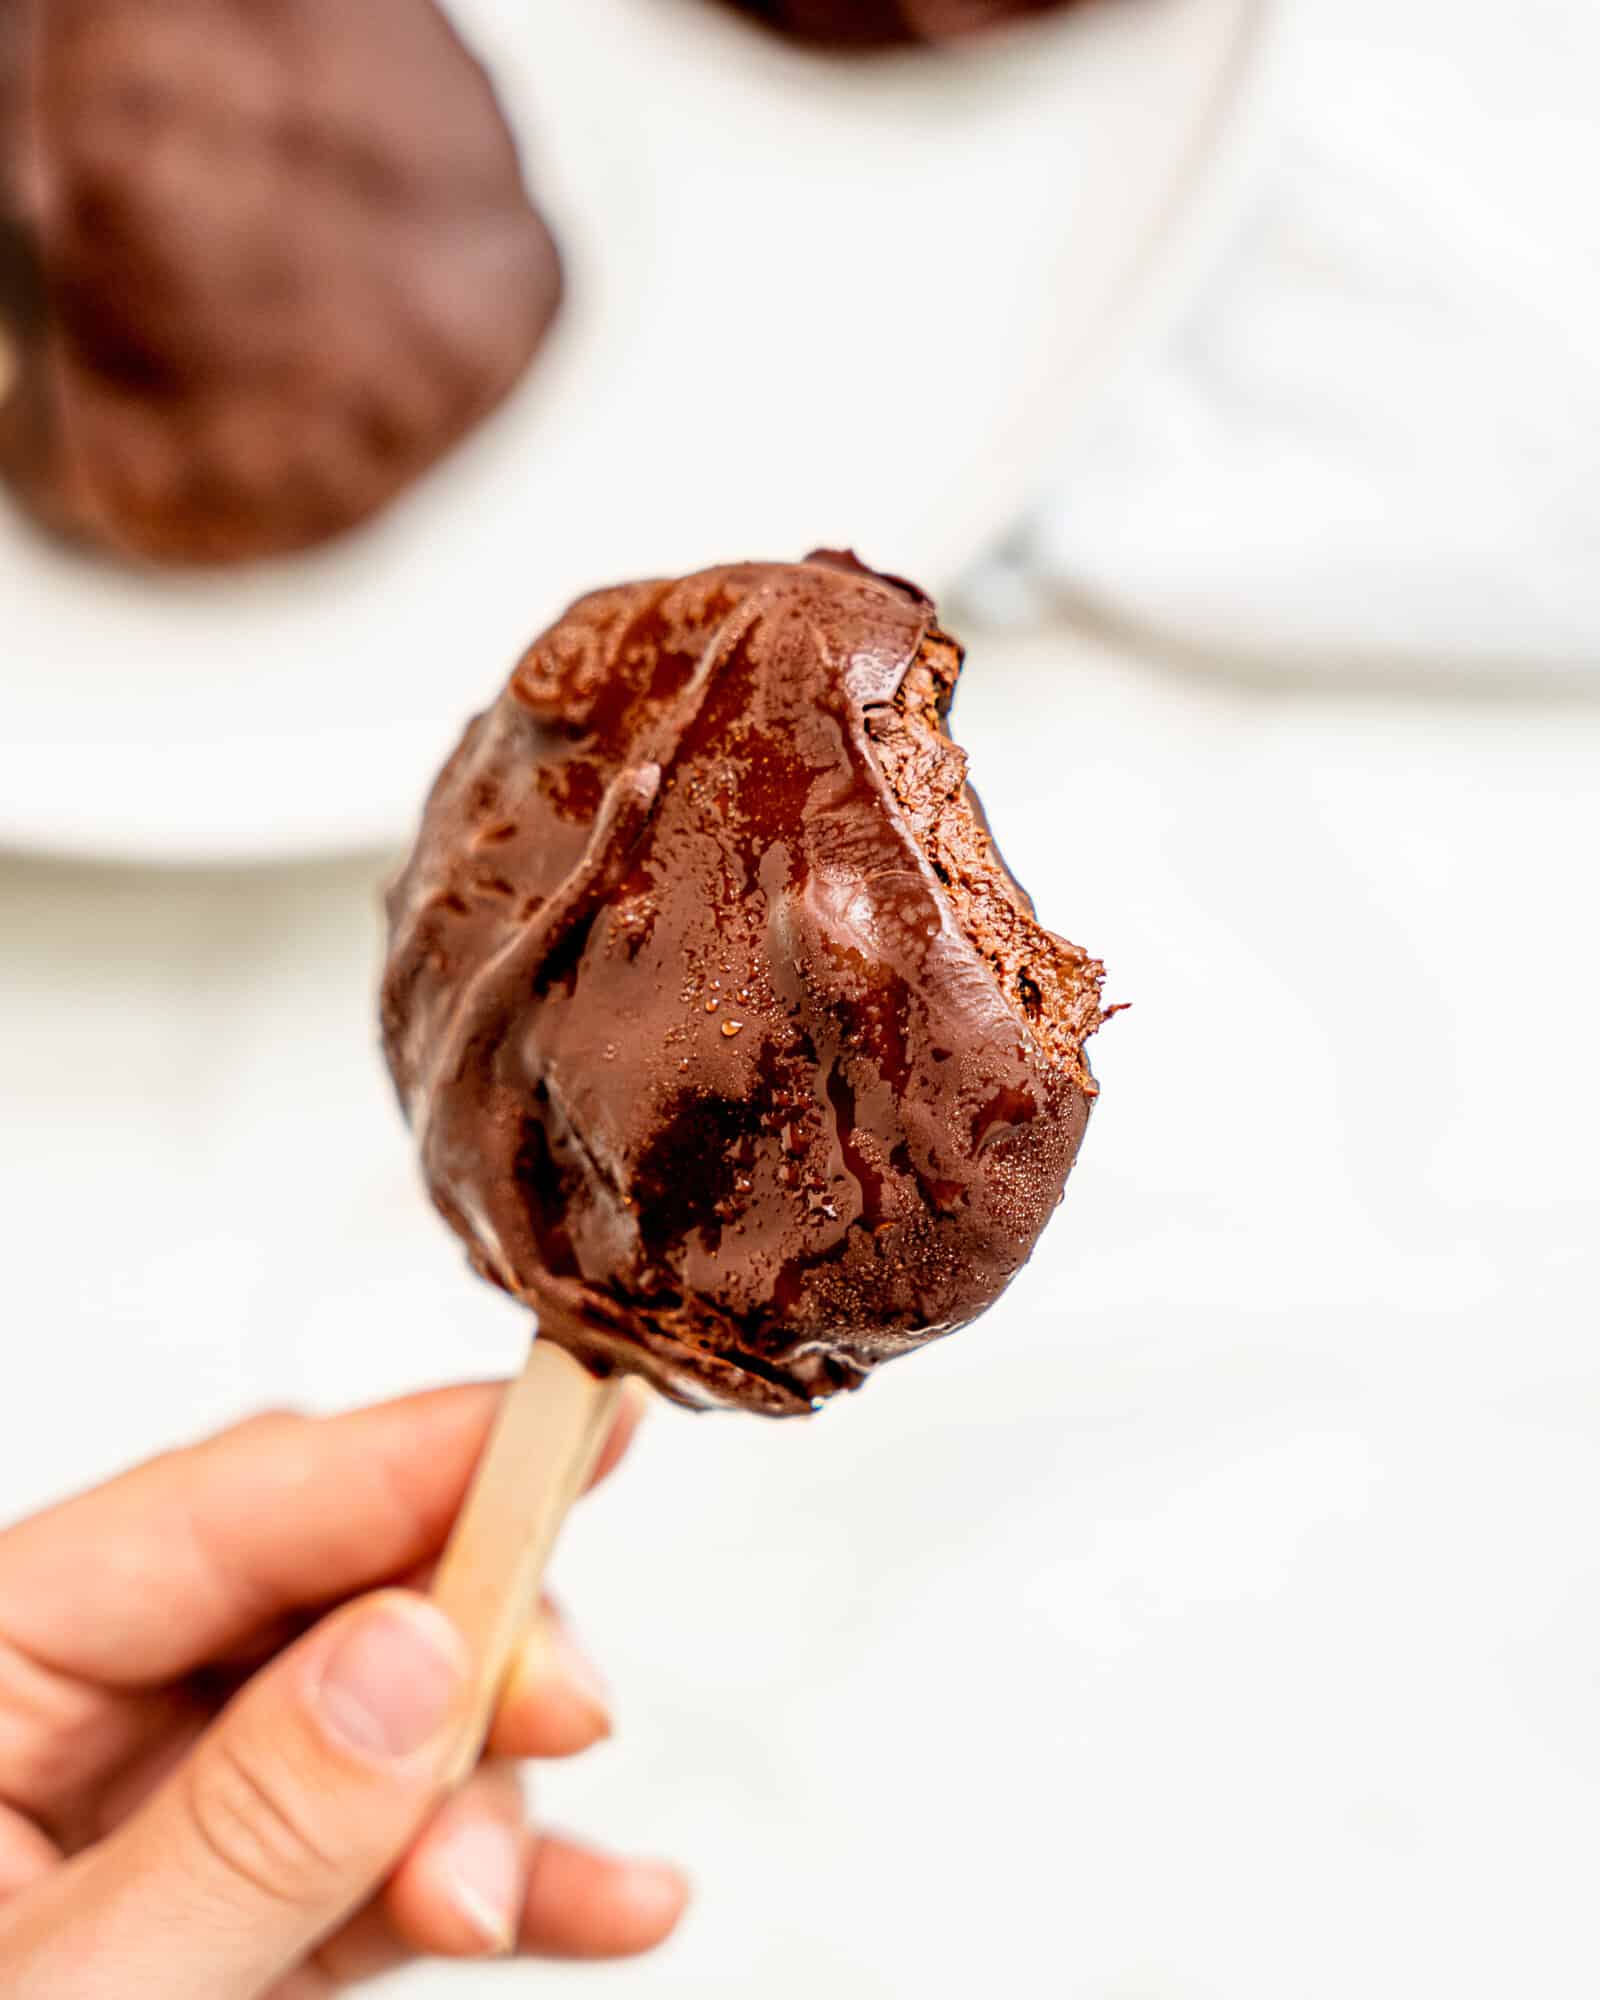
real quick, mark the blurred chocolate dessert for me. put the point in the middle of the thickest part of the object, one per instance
(262, 263)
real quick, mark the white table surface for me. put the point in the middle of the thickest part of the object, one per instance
(1220, 1620)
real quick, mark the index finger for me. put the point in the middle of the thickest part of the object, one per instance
(182, 1559)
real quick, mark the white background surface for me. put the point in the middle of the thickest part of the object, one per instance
(1220, 1619)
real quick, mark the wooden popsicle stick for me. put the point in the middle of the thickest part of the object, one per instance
(544, 1444)
(10, 364)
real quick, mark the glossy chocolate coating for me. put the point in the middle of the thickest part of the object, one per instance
(728, 1041)
(871, 24)
(262, 263)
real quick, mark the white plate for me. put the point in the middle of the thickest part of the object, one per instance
(812, 301)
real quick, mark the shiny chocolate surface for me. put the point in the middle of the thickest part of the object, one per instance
(729, 1043)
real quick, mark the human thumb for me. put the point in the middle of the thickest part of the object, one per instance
(286, 1817)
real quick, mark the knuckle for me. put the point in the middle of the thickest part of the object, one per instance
(277, 1421)
(280, 1420)
(251, 1829)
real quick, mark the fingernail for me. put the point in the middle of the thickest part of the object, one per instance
(560, 1662)
(483, 1864)
(656, 1890)
(392, 1680)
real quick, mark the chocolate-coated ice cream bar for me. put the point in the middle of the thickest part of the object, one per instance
(730, 1043)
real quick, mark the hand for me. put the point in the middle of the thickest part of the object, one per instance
(200, 1799)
